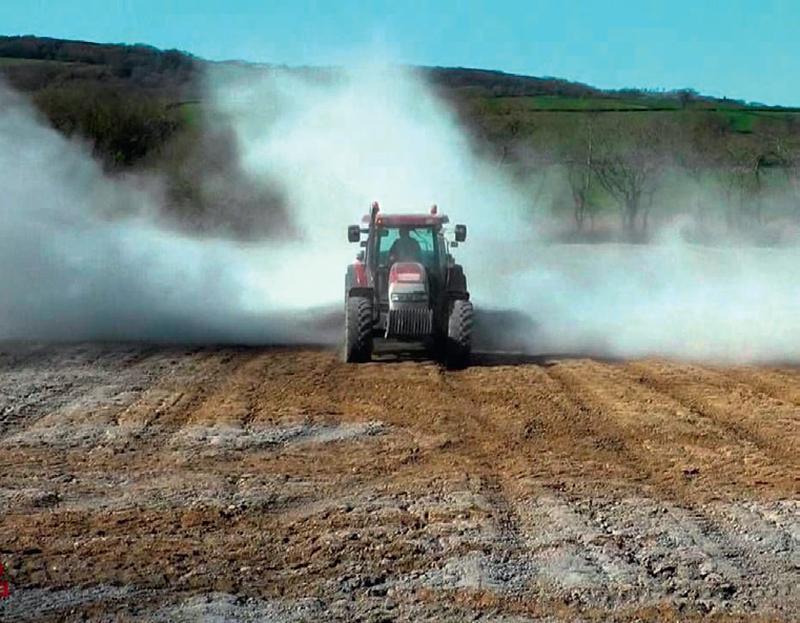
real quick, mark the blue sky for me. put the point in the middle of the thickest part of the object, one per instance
(742, 49)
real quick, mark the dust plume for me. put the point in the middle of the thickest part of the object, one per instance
(331, 142)
(375, 133)
(340, 139)
(681, 301)
(84, 256)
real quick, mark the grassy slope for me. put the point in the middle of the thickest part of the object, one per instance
(143, 107)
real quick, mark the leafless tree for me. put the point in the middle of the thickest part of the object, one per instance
(785, 146)
(580, 174)
(629, 169)
(686, 97)
(697, 153)
(742, 169)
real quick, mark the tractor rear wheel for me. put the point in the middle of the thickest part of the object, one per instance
(358, 330)
(459, 335)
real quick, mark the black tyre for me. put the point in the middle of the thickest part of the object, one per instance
(435, 345)
(459, 335)
(358, 330)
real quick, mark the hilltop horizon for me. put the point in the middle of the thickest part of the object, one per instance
(473, 72)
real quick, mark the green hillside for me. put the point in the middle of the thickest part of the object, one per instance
(628, 157)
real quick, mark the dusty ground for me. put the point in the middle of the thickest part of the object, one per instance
(175, 484)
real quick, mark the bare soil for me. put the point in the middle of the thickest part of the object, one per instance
(180, 484)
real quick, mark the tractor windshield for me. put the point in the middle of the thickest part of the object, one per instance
(407, 244)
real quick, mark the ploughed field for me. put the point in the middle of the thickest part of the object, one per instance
(175, 484)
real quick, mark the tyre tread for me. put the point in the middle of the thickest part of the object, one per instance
(358, 330)
(459, 334)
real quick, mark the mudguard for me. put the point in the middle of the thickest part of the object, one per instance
(360, 291)
(356, 282)
(457, 283)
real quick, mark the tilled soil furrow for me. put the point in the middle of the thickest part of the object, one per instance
(686, 452)
(749, 415)
(609, 435)
(231, 399)
(280, 484)
(292, 390)
(783, 386)
(15, 355)
(170, 403)
(537, 426)
(735, 403)
(72, 379)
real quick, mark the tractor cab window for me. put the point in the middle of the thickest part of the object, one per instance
(407, 244)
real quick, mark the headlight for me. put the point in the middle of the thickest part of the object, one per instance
(409, 297)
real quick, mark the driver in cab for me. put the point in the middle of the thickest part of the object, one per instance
(405, 248)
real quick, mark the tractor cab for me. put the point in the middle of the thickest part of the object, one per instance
(407, 238)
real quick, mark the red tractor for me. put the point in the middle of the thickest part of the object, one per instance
(406, 286)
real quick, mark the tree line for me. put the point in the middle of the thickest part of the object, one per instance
(128, 104)
(739, 166)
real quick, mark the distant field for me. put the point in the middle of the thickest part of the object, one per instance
(547, 102)
(538, 110)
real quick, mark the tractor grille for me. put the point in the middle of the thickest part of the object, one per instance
(410, 322)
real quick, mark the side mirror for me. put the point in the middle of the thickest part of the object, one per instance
(353, 233)
(461, 233)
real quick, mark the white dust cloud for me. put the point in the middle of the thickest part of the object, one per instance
(377, 134)
(334, 142)
(72, 270)
(687, 302)
(341, 141)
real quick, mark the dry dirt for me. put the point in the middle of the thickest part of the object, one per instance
(180, 484)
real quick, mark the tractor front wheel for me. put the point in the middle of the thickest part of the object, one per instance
(459, 335)
(358, 330)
